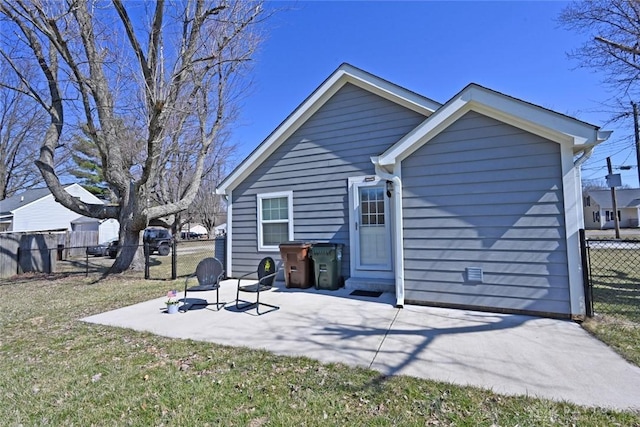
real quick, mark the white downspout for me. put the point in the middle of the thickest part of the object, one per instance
(585, 156)
(229, 243)
(397, 229)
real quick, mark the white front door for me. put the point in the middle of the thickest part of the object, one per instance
(370, 228)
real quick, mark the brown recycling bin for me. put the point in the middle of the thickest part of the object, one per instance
(297, 266)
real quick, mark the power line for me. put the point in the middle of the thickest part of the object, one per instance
(620, 167)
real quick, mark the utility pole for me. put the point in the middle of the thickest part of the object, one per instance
(614, 201)
(636, 129)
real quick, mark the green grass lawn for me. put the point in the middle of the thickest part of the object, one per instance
(615, 275)
(159, 266)
(57, 370)
(616, 294)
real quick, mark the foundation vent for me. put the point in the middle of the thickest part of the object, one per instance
(474, 274)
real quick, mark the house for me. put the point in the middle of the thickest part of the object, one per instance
(598, 208)
(473, 203)
(221, 230)
(37, 210)
(108, 229)
(193, 231)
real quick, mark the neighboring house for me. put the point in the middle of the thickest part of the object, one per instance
(107, 229)
(196, 230)
(37, 210)
(221, 230)
(598, 208)
(473, 203)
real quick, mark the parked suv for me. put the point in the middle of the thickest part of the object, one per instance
(112, 249)
(158, 239)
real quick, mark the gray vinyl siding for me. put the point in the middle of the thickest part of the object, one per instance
(485, 194)
(315, 163)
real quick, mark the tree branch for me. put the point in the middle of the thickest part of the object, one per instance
(634, 50)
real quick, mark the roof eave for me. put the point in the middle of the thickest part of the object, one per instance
(529, 117)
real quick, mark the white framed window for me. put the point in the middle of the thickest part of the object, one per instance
(275, 220)
(610, 216)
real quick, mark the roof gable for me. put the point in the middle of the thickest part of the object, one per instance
(18, 201)
(344, 74)
(625, 198)
(84, 220)
(529, 117)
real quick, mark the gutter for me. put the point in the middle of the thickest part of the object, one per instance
(397, 229)
(601, 136)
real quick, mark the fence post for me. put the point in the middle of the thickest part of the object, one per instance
(18, 261)
(174, 259)
(588, 289)
(146, 260)
(51, 261)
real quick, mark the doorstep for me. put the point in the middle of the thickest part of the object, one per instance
(369, 284)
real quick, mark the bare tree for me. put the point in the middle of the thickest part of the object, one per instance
(214, 214)
(209, 208)
(20, 123)
(175, 182)
(612, 47)
(152, 83)
(613, 27)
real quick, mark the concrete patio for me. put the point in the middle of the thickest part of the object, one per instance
(509, 354)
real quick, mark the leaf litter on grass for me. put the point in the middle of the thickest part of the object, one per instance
(129, 377)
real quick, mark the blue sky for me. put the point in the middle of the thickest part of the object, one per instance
(435, 49)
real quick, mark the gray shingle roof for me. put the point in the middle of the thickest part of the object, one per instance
(12, 203)
(625, 198)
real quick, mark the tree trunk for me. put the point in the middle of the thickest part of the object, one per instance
(131, 254)
(132, 222)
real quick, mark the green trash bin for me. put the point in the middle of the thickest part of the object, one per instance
(327, 259)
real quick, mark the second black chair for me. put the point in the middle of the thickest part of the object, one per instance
(266, 275)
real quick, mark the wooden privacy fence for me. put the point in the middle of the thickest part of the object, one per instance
(38, 252)
(77, 241)
(44, 252)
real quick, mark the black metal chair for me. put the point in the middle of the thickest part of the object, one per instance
(209, 273)
(266, 274)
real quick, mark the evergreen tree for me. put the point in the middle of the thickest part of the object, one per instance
(88, 169)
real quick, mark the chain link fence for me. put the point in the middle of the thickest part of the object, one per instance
(181, 261)
(613, 267)
(185, 256)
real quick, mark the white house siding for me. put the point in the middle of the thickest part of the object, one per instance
(592, 218)
(315, 163)
(109, 229)
(598, 205)
(488, 195)
(628, 218)
(47, 214)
